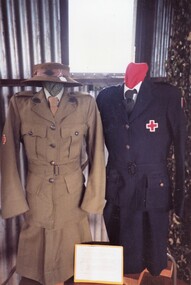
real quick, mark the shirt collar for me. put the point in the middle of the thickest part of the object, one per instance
(137, 87)
(59, 96)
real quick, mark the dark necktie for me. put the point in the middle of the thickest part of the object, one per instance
(53, 104)
(128, 101)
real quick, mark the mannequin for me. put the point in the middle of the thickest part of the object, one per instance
(53, 88)
(134, 76)
(138, 192)
(57, 202)
(135, 73)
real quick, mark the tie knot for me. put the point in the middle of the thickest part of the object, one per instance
(129, 93)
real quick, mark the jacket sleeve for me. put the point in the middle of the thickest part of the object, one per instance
(178, 128)
(13, 200)
(94, 197)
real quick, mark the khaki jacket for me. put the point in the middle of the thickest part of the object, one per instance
(55, 192)
(55, 199)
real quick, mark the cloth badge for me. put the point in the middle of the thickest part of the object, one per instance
(152, 126)
(63, 79)
(4, 139)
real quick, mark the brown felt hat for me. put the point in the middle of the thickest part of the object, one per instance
(51, 72)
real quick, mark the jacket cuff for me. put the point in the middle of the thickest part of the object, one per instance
(13, 209)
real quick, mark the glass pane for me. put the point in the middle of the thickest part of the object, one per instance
(101, 35)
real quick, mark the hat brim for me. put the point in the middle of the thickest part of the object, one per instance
(38, 81)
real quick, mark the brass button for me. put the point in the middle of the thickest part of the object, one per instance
(53, 127)
(161, 184)
(76, 133)
(127, 126)
(127, 146)
(51, 180)
(52, 162)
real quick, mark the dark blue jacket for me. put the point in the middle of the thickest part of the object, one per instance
(139, 193)
(141, 148)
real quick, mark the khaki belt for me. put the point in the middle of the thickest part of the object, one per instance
(54, 168)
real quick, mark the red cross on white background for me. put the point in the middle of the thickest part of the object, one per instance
(152, 125)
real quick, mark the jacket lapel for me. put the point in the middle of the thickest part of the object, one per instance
(144, 98)
(40, 106)
(68, 104)
(118, 105)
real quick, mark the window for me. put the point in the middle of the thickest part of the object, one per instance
(101, 35)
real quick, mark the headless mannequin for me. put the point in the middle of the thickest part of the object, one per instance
(135, 73)
(53, 88)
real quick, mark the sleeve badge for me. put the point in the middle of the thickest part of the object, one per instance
(4, 139)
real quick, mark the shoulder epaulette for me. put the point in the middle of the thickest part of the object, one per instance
(26, 93)
(163, 83)
(78, 93)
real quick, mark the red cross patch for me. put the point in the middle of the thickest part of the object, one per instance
(4, 139)
(152, 125)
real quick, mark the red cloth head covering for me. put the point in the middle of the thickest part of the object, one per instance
(135, 73)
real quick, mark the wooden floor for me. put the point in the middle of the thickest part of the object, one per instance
(166, 277)
(147, 279)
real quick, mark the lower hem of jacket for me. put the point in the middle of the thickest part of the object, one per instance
(51, 278)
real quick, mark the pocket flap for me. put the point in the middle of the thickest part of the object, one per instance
(34, 131)
(158, 194)
(74, 181)
(73, 132)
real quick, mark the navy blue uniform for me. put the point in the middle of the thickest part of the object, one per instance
(138, 190)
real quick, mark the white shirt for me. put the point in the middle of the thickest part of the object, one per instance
(59, 96)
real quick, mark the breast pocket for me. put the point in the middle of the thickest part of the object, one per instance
(35, 141)
(72, 140)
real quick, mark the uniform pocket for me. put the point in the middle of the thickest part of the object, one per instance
(39, 198)
(74, 182)
(35, 138)
(73, 186)
(72, 141)
(157, 193)
(34, 184)
(112, 184)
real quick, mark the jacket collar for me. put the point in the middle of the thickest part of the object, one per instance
(68, 104)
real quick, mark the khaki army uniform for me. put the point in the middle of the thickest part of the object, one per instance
(54, 200)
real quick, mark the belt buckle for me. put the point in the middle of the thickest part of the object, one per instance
(132, 168)
(56, 169)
